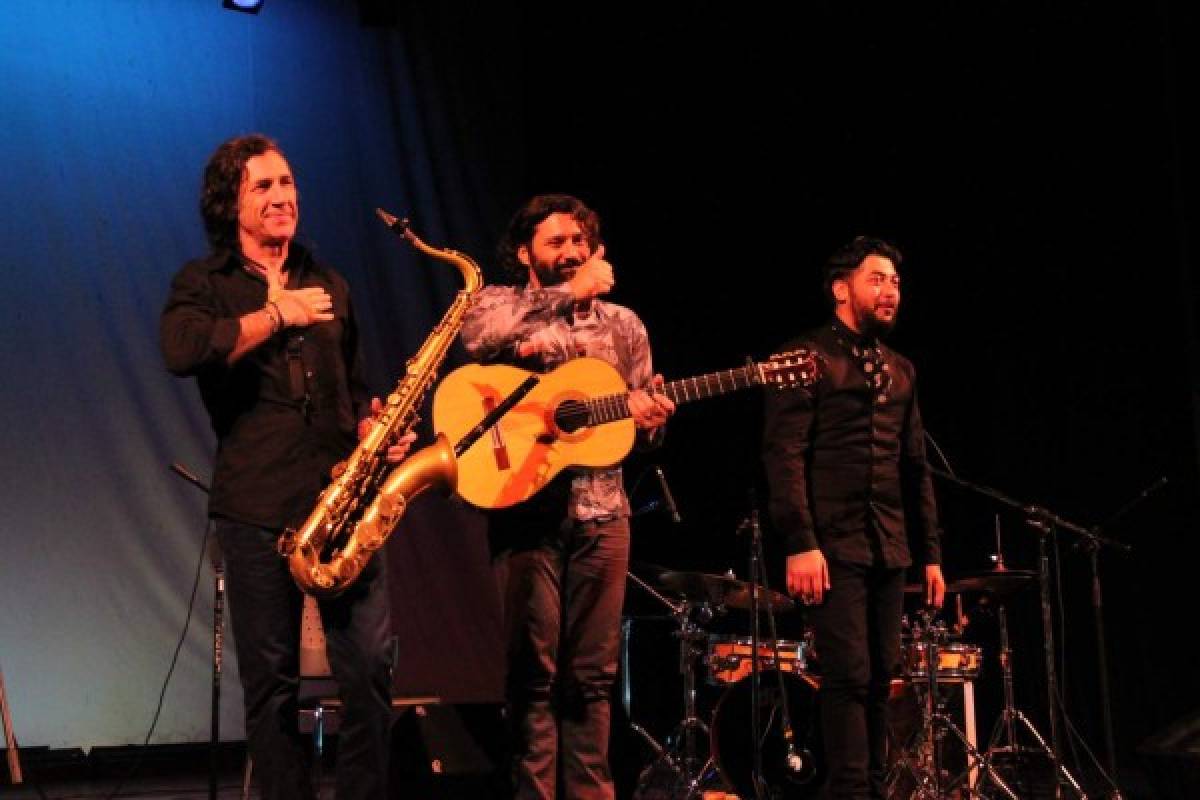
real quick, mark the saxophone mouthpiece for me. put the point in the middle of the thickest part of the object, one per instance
(400, 226)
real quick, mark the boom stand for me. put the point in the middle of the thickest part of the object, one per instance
(214, 741)
(1047, 523)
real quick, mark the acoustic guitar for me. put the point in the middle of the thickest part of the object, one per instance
(576, 415)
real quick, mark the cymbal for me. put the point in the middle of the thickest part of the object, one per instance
(1005, 581)
(721, 590)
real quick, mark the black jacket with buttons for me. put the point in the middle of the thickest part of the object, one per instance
(848, 474)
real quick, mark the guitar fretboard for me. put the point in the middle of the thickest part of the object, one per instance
(616, 406)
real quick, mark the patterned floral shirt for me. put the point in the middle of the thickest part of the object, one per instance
(505, 317)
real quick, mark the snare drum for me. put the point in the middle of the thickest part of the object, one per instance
(956, 661)
(729, 660)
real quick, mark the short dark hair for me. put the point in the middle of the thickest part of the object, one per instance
(529, 216)
(222, 181)
(848, 257)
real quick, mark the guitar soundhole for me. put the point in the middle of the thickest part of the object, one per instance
(570, 416)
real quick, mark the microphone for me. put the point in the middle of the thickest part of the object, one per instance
(670, 500)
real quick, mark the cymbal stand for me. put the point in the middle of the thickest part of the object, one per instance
(936, 723)
(1004, 734)
(681, 753)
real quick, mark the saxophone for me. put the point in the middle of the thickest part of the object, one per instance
(331, 549)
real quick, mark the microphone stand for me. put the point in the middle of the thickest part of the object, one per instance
(1091, 545)
(214, 741)
(1047, 523)
(799, 764)
(756, 775)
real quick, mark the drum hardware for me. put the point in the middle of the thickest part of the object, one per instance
(999, 581)
(1004, 733)
(920, 759)
(680, 762)
(722, 590)
(756, 748)
(728, 658)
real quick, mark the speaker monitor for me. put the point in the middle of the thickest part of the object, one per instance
(448, 751)
(1171, 758)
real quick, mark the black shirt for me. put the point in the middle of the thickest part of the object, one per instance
(845, 460)
(287, 411)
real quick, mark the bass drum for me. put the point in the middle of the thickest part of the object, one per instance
(732, 737)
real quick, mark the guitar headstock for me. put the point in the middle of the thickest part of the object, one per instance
(793, 369)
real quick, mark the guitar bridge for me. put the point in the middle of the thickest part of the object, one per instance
(499, 450)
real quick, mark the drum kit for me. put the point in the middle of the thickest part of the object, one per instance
(701, 757)
(716, 756)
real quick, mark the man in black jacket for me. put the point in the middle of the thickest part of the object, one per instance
(846, 466)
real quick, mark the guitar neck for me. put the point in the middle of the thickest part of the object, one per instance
(616, 406)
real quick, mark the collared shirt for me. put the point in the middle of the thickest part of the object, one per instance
(845, 459)
(286, 411)
(504, 317)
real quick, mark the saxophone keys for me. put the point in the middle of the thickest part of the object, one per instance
(285, 545)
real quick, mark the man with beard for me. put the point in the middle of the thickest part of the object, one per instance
(270, 334)
(845, 463)
(561, 556)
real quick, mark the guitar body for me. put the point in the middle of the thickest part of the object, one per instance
(525, 450)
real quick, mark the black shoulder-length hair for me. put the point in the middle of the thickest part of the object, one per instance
(222, 181)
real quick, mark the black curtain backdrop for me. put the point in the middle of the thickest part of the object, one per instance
(1034, 164)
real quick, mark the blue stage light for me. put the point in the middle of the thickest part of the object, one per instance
(248, 6)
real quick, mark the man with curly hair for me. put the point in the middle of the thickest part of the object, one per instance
(269, 333)
(561, 556)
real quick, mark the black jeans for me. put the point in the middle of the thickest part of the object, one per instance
(562, 591)
(265, 610)
(857, 638)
